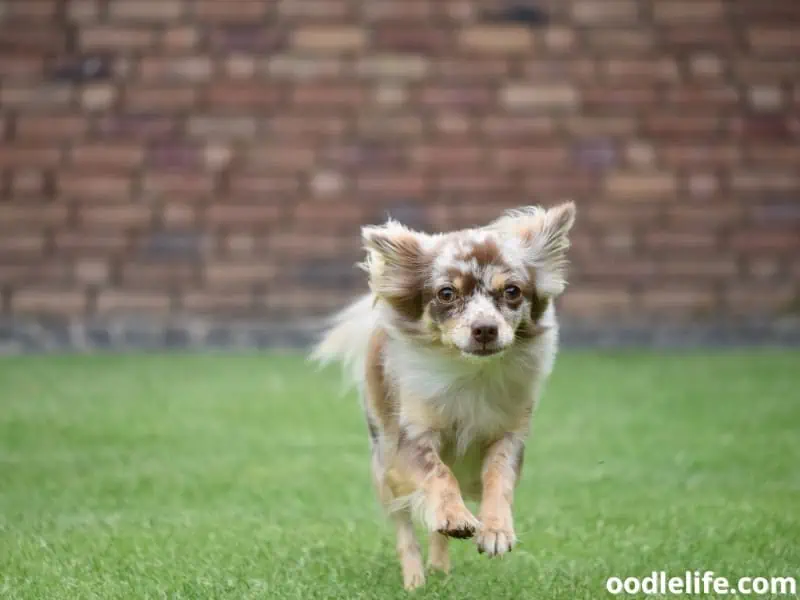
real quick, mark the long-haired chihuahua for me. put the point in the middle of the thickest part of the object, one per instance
(450, 350)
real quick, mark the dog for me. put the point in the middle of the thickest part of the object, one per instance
(450, 350)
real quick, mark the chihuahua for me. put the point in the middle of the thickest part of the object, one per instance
(450, 350)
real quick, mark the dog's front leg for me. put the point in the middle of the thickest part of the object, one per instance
(419, 470)
(501, 468)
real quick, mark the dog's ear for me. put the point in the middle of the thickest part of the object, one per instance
(544, 237)
(397, 263)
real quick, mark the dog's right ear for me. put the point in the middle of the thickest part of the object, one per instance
(397, 263)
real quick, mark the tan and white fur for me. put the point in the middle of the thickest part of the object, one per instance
(450, 350)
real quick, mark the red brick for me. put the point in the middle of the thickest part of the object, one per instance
(90, 185)
(422, 39)
(766, 240)
(149, 11)
(693, 37)
(133, 301)
(122, 216)
(246, 11)
(692, 127)
(394, 66)
(710, 97)
(83, 11)
(196, 69)
(510, 127)
(633, 41)
(50, 272)
(531, 158)
(244, 216)
(44, 301)
(179, 214)
(178, 183)
(774, 154)
(118, 156)
(669, 241)
(703, 267)
(641, 186)
(700, 155)
(681, 11)
(281, 158)
(640, 70)
(114, 37)
(394, 11)
(180, 39)
(613, 12)
(546, 97)
(22, 67)
(21, 246)
(582, 126)
(391, 184)
(780, 40)
(459, 70)
(89, 242)
(92, 271)
(28, 183)
(157, 275)
(25, 36)
(252, 185)
(461, 96)
(502, 39)
(31, 9)
(32, 214)
(307, 128)
(222, 127)
(217, 302)
(337, 94)
(328, 38)
(27, 96)
(316, 10)
(622, 99)
(767, 180)
(620, 269)
(695, 301)
(17, 156)
(303, 67)
(449, 156)
(239, 275)
(596, 302)
(244, 96)
(54, 127)
(746, 299)
(158, 99)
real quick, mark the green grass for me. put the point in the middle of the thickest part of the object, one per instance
(247, 477)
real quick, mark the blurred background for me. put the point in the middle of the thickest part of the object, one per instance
(195, 172)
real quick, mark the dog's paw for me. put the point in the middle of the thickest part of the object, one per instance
(454, 520)
(495, 539)
(413, 578)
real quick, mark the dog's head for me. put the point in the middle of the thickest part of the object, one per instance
(477, 290)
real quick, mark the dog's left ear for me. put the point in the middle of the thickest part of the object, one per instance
(397, 263)
(544, 236)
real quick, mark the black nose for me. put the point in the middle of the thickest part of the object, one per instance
(485, 333)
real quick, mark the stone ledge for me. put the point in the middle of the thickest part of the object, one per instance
(43, 336)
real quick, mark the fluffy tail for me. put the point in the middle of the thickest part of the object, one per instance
(347, 340)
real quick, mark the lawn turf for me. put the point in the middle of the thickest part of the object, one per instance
(247, 477)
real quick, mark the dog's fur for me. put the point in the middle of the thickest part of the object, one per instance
(450, 351)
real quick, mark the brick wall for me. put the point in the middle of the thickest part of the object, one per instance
(216, 157)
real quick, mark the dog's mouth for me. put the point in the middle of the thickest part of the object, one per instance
(483, 352)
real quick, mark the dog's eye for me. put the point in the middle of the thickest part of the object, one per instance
(446, 295)
(512, 292)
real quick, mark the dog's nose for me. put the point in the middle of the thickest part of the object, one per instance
(485, 333)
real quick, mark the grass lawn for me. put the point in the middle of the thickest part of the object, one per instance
(247, 477)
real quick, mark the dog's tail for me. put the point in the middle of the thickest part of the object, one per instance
(347, 339)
